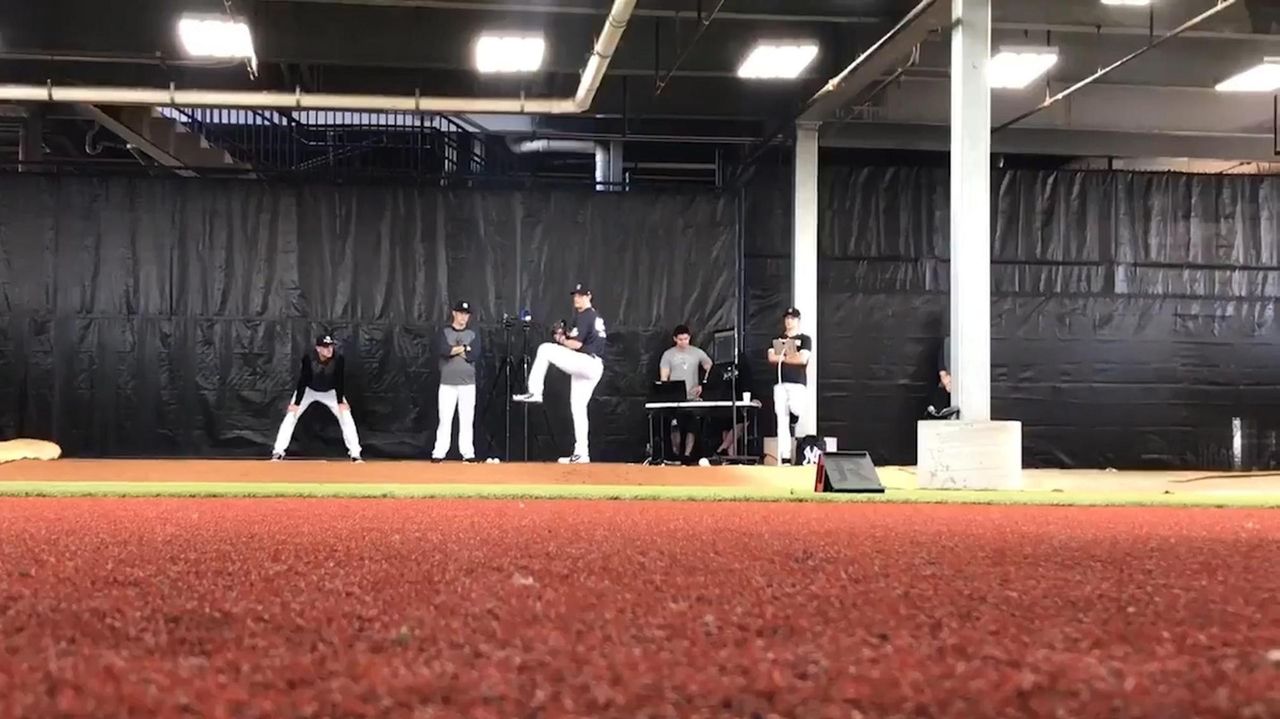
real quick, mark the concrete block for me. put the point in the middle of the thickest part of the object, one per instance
(771, 448)
(955, 454)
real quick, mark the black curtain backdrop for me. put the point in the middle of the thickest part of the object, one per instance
(149, 317)
(1133, 315)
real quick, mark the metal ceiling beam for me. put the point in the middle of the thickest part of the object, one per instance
(868, 68)
(878, 60)
(138, 140)
(531, 8)
(1140, 30)
(703, 23)
(1222, 5)
(525, 7)
(1056, 142)
(606, 43)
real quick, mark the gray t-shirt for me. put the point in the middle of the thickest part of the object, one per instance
(685, 364)
(460, 369)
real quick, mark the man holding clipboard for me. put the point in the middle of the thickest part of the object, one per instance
(790, 353)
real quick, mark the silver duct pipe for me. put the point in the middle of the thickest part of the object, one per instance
(592, 75)
(603, 179)
(616, 169)
(601, 150)
(528, 147)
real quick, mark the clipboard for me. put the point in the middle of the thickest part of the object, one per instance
(785, 344)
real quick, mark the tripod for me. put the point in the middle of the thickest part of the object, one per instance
(525, 361)
(506, 367)
(513, 375)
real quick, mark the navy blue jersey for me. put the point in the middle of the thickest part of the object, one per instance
(588, 328)
(321, 376)
(795, 373)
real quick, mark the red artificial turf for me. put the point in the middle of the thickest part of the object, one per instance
(352, 608)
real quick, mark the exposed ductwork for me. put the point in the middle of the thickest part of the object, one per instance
(603, 176)
(592, 75)
(528, 147)
(608, 177)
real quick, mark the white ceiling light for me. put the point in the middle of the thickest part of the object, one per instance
(509, 53)
(215, 36)
(1259, 78)
(1014, 68)
(775, 61)
(1128, 3)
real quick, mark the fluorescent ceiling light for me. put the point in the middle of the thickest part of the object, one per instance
(509, 53)
(1259, 78)
(777, 61)
(1015, 67)
(1129, 3)
(215, 36)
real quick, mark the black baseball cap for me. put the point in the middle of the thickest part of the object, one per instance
(792, 312)
(325, 340)
(462, 306)
(580, 289)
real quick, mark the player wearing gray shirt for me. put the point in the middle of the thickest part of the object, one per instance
(681, 363)
(457, 346)
(686, 363)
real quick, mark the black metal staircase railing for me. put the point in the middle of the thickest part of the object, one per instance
(319, 142)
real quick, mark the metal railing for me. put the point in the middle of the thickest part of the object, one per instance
(319, 142)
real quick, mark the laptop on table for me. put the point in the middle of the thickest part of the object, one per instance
(672, 391)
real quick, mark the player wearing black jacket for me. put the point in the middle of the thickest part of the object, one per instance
(321, 378)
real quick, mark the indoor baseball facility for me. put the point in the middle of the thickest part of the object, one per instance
(621, 358)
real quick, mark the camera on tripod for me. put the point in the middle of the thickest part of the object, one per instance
(525, 319)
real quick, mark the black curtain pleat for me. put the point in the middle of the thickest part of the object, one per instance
(165, 317)
(1133, 315)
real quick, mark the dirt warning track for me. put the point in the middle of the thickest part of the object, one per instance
(323, 608)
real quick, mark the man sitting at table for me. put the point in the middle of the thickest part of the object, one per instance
(686, 363)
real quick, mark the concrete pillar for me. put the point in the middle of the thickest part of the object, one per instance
(804, 246)
(972, 452)
(971, 209)
(31, 140)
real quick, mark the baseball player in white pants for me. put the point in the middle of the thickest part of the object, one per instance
(578, 353)
(789, 394)
(320, 379)
(457, 346)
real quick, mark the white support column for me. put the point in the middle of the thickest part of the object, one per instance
(972, 452)
(804, 246)
(971, 209)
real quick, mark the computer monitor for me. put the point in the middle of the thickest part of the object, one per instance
(723, 345)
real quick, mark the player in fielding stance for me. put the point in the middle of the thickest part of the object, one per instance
(578, 352)
(320, 380)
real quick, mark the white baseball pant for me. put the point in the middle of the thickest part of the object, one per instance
(463, 398)
(330, 400)
(791, 398)
(584, 372)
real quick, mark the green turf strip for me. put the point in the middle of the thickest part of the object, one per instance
(534, 491)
